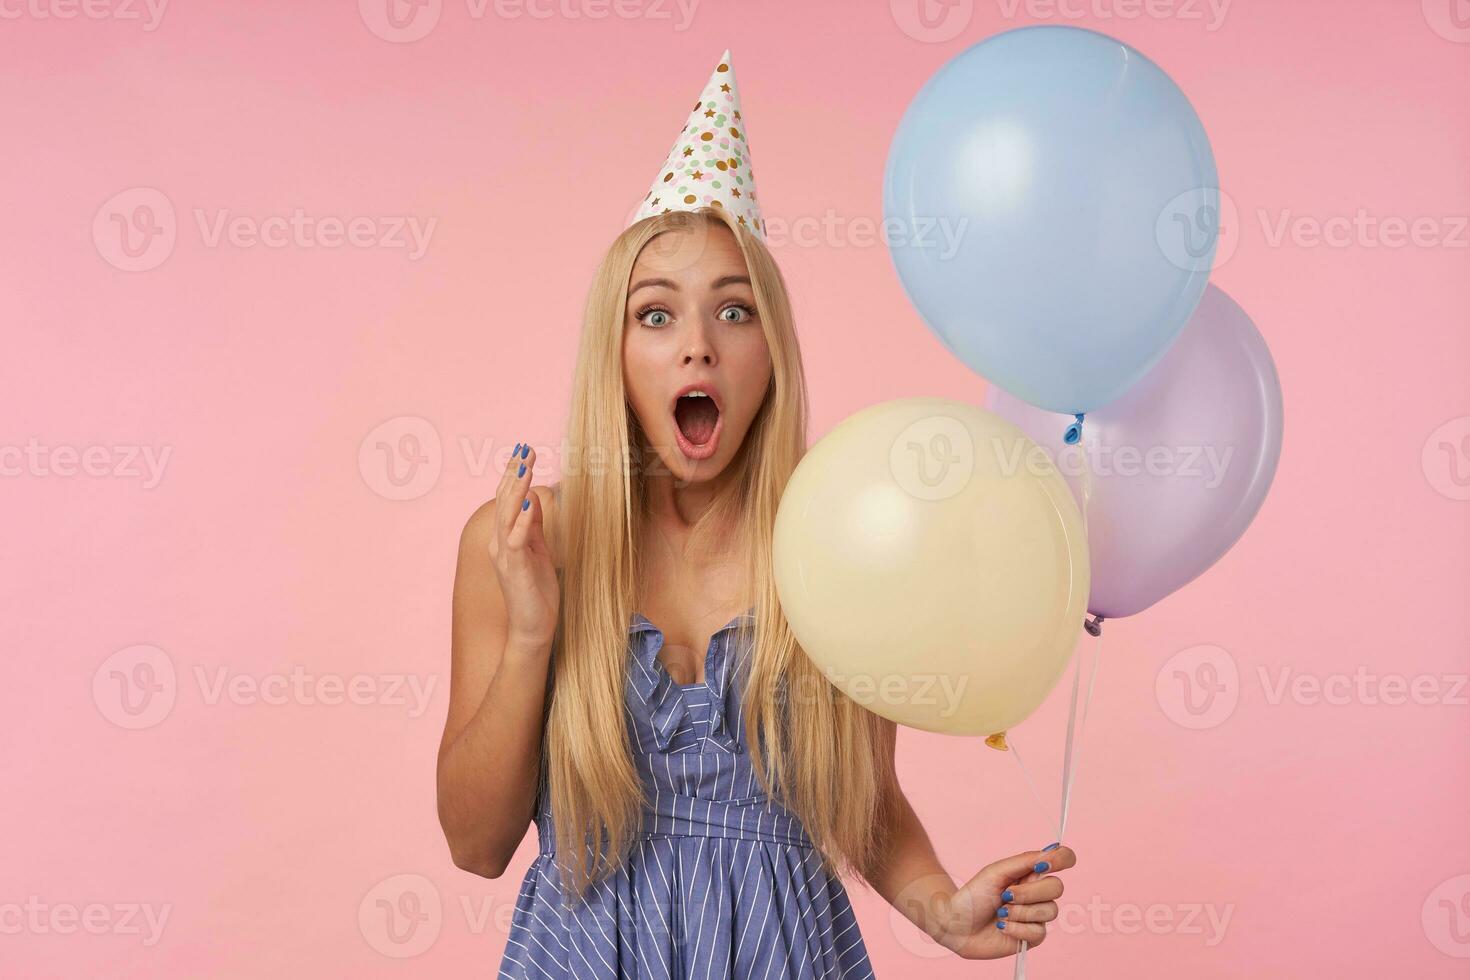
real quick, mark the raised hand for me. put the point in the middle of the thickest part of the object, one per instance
(522, 561)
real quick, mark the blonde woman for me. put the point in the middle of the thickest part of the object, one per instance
(623, 677)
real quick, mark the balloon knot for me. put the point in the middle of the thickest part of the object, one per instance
(1074, 431)
(1093, 626)
(997, 741)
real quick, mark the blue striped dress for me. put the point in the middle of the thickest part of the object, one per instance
(721, 883)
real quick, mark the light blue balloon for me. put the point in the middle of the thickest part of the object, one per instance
(1050, 201)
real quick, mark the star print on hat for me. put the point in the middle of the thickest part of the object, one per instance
(709, 165)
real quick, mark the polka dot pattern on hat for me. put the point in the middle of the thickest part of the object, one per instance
(709, 163)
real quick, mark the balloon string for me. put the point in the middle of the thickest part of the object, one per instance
(1016, 751)
(1075, 726)
(1076, 745)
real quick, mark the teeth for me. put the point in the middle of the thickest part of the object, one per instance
(696, 393)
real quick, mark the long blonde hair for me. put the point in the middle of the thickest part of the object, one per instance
(825, 758)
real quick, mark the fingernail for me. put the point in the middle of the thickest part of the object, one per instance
(1006, 896)
(522, 470)
(1000, 923)
(525, 450)
(1051, 847)
(514, 451)
(1040, 866)
(525, 503)
(1003, 912)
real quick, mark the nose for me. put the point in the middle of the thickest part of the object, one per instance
(697, 346)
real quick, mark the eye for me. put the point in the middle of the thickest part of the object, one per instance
(653, 311)
(745, 313)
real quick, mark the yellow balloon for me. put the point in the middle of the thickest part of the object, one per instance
(933, 565)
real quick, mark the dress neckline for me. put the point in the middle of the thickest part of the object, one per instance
(640, 621)
(668, 701)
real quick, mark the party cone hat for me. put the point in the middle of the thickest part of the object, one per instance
(709, 164)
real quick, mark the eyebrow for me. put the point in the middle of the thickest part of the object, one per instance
(670, 284)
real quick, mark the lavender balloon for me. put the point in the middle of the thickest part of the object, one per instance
(1179, 463)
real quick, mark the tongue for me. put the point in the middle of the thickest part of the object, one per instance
(696, 418)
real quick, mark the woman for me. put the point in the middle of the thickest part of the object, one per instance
(697, 787)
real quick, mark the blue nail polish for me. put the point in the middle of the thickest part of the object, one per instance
(525, 450)
(522, 470)
(1000, 923)
(1051, 847)
(516, 451)
(525, 503)
(1040, 866)
(1006, 896)
(1002, 912)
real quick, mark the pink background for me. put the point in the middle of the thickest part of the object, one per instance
(291, 831)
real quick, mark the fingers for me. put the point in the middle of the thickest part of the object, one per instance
(1047, 889)
(1039, 912)
(1018, 866)
(526, 507)
(1058, 858)
(1030, 932)
(515, 483)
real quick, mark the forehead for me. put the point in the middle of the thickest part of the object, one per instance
(696, 254)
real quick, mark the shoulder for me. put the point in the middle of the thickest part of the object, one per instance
(480, 527)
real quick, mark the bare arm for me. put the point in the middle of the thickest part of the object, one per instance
(504, 614)
(910, 877)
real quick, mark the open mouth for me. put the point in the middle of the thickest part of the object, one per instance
(697, 425)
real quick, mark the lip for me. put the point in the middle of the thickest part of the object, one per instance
(686, 447)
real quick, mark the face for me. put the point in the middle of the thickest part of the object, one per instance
(691, 325)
